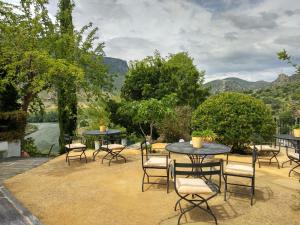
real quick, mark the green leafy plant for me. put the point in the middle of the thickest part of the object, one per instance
(234, 117)
(29, 146)
(297, 126)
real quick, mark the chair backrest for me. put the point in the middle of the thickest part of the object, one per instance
(199, 170)
(68, 139)
(145, 151)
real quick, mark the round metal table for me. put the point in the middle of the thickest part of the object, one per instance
(98, 133)
(295, 141)
(198, 155)
(207, 149)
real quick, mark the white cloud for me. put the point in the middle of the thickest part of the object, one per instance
(225, 37)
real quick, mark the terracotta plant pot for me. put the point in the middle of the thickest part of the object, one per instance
(197, 142)
(296, 132)
(102, 128)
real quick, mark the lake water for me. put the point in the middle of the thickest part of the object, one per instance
(46, 135)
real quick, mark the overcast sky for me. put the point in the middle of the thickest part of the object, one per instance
(225, 37)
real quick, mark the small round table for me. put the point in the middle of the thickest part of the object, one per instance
(98, 133)
(197, 155)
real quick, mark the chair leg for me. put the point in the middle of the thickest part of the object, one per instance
(168, 180)
(85, 156)
(252, 190)
(293, 169)
(225, 190)
(143, 181)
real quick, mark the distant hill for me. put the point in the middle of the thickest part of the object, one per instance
(235, 84)
(118, 67)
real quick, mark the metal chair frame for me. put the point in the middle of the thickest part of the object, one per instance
(196, 199)
(274, 152)
(145, 158)
(292, 159)
(252, 186)
(68, 141)
(111, 154)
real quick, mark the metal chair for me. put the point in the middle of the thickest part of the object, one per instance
(293, 156)
(241, 170)
(113, 147)
(79, 147)
(268, 151)
(154, 162)
(195, 190)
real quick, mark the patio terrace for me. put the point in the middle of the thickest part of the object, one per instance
(94, 193)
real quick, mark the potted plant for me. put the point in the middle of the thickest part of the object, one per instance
(208, 136)
(197, 140)
(296, 130)
(103, 122)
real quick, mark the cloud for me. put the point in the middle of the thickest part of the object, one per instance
(225, 37)
(264, 20)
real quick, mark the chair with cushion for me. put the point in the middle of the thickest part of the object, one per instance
(242, 170)
(76, 145)
(268, 151)
(113, 146)
(152, 162)
(293, 156)
(190, 186)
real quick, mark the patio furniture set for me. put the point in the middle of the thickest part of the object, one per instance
(193, 182)
(110, 142)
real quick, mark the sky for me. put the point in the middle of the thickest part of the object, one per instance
(225, 38)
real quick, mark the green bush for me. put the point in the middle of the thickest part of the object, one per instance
(29, 146)
(12, 125)
(171, 129)
(49, 116)
(235, 118)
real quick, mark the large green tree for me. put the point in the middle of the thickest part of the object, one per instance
(156, 77)
(66, 89)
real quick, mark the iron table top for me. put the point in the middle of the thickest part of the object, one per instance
(98, 133)
(287, 137)
(207, 149)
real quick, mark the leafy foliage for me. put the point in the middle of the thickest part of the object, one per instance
(148, 112)
(12, 125)
(30, 147)
(171, 129)
(235, 118)
(156, 77)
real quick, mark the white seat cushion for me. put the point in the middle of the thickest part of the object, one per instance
(268, 148)
(113, 146)
(192, 186)
(294, 155)
(157, 162)
(75, 145)
(236, 169)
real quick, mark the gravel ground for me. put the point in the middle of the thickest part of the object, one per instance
(94, 193)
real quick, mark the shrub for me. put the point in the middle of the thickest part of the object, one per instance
(235, 118)
(29, 146)
(43, 117)
(12, 125)
(171, 129)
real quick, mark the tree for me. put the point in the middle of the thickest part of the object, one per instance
(148, 112)
(66, 89)
(236, 118)
(31, 55)
(156, 77)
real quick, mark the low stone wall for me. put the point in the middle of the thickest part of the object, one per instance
(10, 148)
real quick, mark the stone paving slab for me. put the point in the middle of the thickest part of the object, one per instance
(11, 211)
(13, 166)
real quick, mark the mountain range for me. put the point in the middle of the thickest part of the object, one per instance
(119, 68)
(234, 84)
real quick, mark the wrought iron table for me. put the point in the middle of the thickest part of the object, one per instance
(295, 141)
(106, 134)
(98, 133)
(198, 155)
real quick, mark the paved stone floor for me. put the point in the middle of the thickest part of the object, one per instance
(11, 211)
